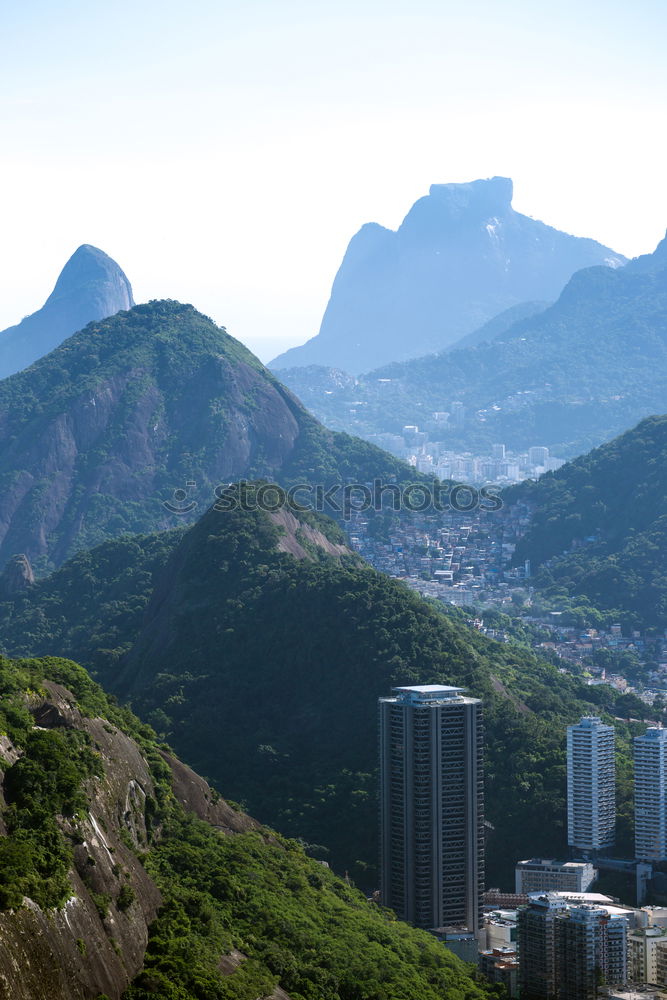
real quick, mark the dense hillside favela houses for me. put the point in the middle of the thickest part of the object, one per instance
(464, 559)
(457, 557)
(591, 786)
(432, 809)
(650, 760)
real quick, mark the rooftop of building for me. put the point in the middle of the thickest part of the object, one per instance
(429, 694)
(447, 690)
(653, 733)
(572, 865)
(502, 918)
(652, 931)
(590, 722)
(578, 898)
(643, 992)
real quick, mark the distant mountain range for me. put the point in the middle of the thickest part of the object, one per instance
(91, 287)
(97, 437)
(461, 256)
(570, 377)
(599, 527)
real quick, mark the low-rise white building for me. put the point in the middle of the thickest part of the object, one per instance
(547, 875)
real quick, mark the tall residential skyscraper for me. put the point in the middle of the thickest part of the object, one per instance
(591, 785)
(432, 806)
(650, 752)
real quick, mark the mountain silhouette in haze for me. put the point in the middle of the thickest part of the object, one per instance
(461, 256)
(91, 286)
(572, 376)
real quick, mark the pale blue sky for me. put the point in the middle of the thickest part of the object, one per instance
(225, 153)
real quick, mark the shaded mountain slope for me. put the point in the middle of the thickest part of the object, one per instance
(90, 287)
(461, 256)
(96, 437)
(264, 672)
(499, 325)
(599, 526)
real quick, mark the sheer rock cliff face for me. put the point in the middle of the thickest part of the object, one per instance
(16, 576)
(116, 442)
(90, 287)
(74, 953)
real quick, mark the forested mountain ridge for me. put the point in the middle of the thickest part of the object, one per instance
(96, 437)
(461, 256)
(599, 529)
(582, 371)
(123, 874)
(254, 663)
(496, 327)
(91, 286)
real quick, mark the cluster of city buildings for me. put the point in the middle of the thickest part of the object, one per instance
(463, 559)
(591, 790)
(429, 450)
(552, 937)
(458, 558)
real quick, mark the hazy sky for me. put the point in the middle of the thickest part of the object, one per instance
(225, 153)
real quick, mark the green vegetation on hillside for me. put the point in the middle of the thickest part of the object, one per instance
(264, 672)
(292, 921)
(109, 587)
(240, 914)
(46, 781)
(599, 530)
(43, 783)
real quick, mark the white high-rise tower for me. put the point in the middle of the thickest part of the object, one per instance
(591, 785)
(650, 752)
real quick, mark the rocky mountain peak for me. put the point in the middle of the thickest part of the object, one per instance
(91, 272)
(489, 197)
(461, 257)
(90, 287)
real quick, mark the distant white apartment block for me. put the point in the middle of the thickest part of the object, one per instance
(591, 785)
(650, 755)
(538, 455)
